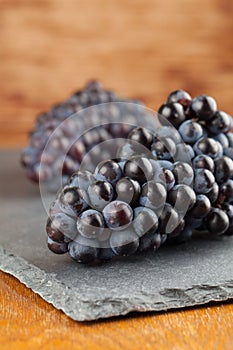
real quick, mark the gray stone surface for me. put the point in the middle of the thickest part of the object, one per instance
(190, 274)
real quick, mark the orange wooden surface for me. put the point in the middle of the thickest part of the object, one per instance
(140, 48)
(28, 322)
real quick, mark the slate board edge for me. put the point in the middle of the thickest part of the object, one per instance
(89, 310)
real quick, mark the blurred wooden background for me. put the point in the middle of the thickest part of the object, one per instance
(140, 48)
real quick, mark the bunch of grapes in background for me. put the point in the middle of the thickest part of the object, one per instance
(67, 132)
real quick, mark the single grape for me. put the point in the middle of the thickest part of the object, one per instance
(203, 161)
(222, 139)
(124, 242)
(153, 195)
(217, 221)
(145, 221)
(228, 209)
(183, 173)
(57, 248)
(213, 194)
(182, 198)
(168, 220)
(141, 135)
(138, 168)
(70, 196)
(190, 131)
(90, 224)
(100, 193)
(226, 192)
(221, 122)
(149, 241)
(207, 146)
(128, 191)
(201, 208)
(203, 107)
(84, 250)
(203, 181)
(164, 149)
(172, 112)
(108, 171)
(61, 224)
(223, 169)
(118, 215)
(181, 97)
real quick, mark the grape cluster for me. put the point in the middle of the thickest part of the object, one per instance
(207, 132)
(126, 205)
(62, 136)
(162, 185)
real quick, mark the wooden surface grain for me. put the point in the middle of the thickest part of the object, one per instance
(28, 322)
(140, 48)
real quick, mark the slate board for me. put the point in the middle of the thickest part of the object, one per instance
(190, 274)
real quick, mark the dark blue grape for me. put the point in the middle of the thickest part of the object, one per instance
(118, 215)
(164, 149)
(53, 232)
(179, 228)
(77, 150)
(217, 221)
(194, 223)
(190, 131)
(183, 173)
(213, 193)
(128, 190)
(108, 171)
(57, 248)
(226, 192)
(141, 135)
(70, 196)
(138, 168)
(153, 195)
(203, 107)
(201, 208)
(229, 211)
(181, 97)
(207, 146)
(221, 122)
(172, 112)
(90, 224)
(61, 224)
(168, 220)
(84, 250)
(182, 198)
(203, 181)
(100, 193)
(124, 242)
(203, 161)
(223, 169)
(149, 241)
(145, 221)
(222, 139)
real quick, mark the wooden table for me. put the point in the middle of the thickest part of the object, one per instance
(141, 48)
